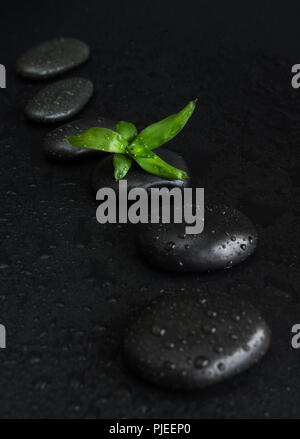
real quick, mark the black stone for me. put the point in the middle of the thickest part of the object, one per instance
(192, 339)
(60, 100)
(52, 58)
(137, 177)
(57, 148)
(228, 238)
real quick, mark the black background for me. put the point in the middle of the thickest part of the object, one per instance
(69, 285)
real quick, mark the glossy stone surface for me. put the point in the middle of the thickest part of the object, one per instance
(192, 339)
(60, 100)
(137, 177)
(228, 238)
(57, 148)
(52, 57)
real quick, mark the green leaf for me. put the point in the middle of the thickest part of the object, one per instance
(122, 164)
(157, 166)
(99, 138)
(127, 130)
(137, 150)
(161, 132)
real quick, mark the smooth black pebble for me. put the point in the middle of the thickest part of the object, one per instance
(60, 100)
(191, 339)
(137, 177)
(57, 148)
(52, 58)
(228, 238)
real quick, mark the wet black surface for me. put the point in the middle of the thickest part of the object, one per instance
(69, 285)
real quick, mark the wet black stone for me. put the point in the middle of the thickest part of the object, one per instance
(60, 100)
(192, 339)
(228, 238)
(52, 58)
(137, 177)
(57, 148)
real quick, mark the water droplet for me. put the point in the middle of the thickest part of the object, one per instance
(201, 362)
(209, 329)
(236, 317)
(158, 331)
(170, 345)
(169, 365)
(170, 246)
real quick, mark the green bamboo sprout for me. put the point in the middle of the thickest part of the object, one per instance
(122, 163)
(155, 165)
(161, 132)
(128, 145)
(99, 138)
(127, 130)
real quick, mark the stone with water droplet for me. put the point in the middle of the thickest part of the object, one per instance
(170, 342)
(57, 148)
(176, 251)
(52, 57)
(59, 101)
